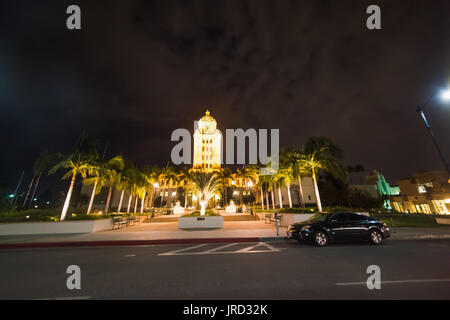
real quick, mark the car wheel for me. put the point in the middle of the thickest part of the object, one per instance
(375, 237)
(320, 238)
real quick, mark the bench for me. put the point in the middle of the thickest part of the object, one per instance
(132, 220)
(269, 217)
(118, 222)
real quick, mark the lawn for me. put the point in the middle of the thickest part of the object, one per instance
(44, 215)
(408, 220)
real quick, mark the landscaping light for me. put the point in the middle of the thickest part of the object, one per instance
(156, 184)
(35, 207)
(11, 196)
(233, 182)
(28, 217)
(174, 194)
(235, 192)
(250, 184)
(100, 213)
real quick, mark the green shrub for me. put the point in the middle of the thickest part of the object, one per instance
(208, 213)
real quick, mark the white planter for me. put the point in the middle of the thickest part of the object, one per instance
(215, 222)
(443, 220)
(291, 218)
(85, 226)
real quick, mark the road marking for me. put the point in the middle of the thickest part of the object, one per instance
(170, 253)
(393, 282)
(66, 298)
(249, 249)
(221, 247)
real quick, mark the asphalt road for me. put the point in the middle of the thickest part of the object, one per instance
(287, 270)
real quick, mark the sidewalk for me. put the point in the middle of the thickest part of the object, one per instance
(151, 233)
(168, 233)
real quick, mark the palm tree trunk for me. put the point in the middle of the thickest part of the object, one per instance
(34, 191)
(142, 203)
(69, 195)
(279, 197)
(226, 197)
(92, 197)
(152, 198)
(316, 191)
(273, 197)
(267, 199)
(147, 201)
(262, 199)
(135, 204)
(28, 193)
(120, 201)
(288, 185)
(300, 189)
(129, 203)
(108, 199)
(162, 197)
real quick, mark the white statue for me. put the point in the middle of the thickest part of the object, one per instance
(178, 209)
(231, 208)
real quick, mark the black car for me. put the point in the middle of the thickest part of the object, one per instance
(339, 226)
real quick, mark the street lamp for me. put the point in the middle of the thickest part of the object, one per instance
(445, 96)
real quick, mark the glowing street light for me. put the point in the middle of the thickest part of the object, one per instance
(445, 96)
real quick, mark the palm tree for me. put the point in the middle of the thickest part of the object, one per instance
(151, 174)
(246, 173)
(320, 153)
(44, 161)
(205, 186)
(286, 173)
(102, 173)
(114, 177)
(298, 170)
(224, 175)
(183, 179)
(278, 180)
(79, 162)
(167, 177)
(271, 180)
(262, 185)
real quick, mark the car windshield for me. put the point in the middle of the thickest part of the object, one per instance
(317, 218)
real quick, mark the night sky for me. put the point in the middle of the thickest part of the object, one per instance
(140, 69)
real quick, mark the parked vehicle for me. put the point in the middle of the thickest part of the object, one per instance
(340, 226)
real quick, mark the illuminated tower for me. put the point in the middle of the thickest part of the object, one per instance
(207, 145)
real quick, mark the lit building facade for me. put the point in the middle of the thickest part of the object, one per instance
(425, 192)
(207, 145)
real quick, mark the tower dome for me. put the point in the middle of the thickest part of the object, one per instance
(207, 123)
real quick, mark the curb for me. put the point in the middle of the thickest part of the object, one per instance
(110, 243)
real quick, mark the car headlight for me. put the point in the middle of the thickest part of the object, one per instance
(304, 228)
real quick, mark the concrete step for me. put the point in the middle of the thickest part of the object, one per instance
(238, 217)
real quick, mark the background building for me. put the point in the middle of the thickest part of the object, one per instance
(207, 145)
(425, 192)
(375, 185)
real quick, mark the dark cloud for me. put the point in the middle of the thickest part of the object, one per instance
(139, 69)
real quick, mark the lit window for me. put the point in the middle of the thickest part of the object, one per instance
(421, 188)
